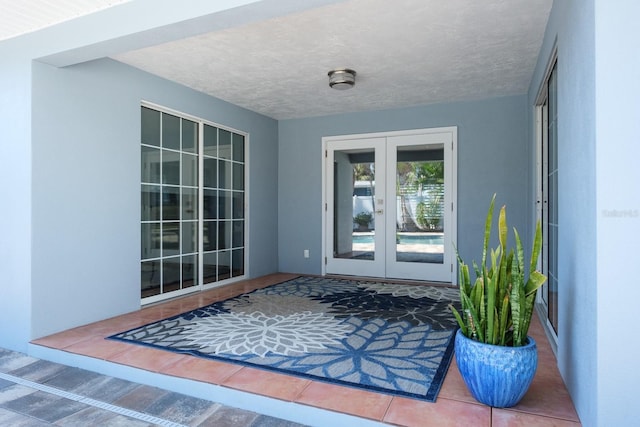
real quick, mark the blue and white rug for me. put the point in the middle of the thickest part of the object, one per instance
(390, 338)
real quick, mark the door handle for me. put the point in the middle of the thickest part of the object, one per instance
(379, 211)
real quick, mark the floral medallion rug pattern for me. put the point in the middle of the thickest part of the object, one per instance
(390, 338)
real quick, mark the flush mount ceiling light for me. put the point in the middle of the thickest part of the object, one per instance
(342, 78)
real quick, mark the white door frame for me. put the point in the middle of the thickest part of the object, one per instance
(451, 201)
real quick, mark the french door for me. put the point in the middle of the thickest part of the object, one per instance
(389, 204)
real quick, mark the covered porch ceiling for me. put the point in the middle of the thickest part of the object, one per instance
(405, 53)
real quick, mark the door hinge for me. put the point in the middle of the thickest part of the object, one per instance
(451, 206)
(325, 207)
(325, 260)
(326, 153)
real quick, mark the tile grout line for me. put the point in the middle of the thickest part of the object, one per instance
(91, 402)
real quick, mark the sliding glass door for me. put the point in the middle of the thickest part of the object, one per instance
(192, 204)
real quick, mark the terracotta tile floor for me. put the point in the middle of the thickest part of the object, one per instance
(546, 403)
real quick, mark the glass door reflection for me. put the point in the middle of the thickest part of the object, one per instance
(354, 226)
(420, 204)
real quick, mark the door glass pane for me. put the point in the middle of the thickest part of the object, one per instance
(210, 204)
(170, 203)
(189, 203)
(150, 127)
(170, 238)
(237, 262)
(189, 170)
(224, 144)
(189, 271)
(189, 237)
(225, 202)
(150, 202)
(150, 159)
(210, 141)
(353, 204)
(150, 235)
(150, 278)
(420, 204)
(170, 167)
(224, 265)
(210, 173)
(210, 235)
(189, 136)
(170, 274)
(209, 267)
(224, 174)
(224, 235)
(170, 132)
(238, 147)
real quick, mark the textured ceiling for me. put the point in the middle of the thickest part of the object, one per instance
(405, 52)
(416, 52)
(24, 16)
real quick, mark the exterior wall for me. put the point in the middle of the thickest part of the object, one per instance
(617, 101)
(598, 201)
(86, 187)
(492, 158)
(570, 27)
(15, 200)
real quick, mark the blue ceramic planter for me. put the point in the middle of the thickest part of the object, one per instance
(495, 375)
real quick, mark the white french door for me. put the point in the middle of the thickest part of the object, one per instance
(389, 204)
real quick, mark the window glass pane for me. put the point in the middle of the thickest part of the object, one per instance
(238, 234)
(189, 271)
(150, 127)
(209, 267)
(238, 147)
(150, 202)
(189, 203)
(210, 147)
(224, 200)
(224, 144)
(210, 204)
(170, 132)
(238, 176)
(170, 203)
(150, 234)
(170, 274)
(189, 136)
(209, 235)
(237, 262)
(170, 167)
(150, 164)
(224, 235)
(189, 170)
(238, 205)
(224, 265)
(224, 174)
(150, 278)
(170, 238)
(189, 237)
(210, 173)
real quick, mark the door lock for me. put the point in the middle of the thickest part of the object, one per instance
(379, 211)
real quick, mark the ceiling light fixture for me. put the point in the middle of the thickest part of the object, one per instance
(342, 79)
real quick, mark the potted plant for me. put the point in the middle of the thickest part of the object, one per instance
(363, 219)
(495, 356)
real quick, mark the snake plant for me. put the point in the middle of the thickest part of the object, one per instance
(497, 308)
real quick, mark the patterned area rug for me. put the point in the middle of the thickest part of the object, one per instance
(390, 338)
